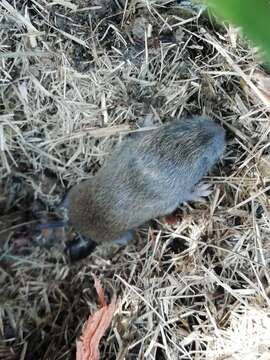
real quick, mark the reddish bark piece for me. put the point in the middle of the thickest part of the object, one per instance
(95, 327)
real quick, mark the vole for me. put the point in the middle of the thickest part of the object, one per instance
(146, 176)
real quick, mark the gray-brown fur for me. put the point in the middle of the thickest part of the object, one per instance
(146, 176)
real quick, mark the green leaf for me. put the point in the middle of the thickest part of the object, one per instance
(253, 16)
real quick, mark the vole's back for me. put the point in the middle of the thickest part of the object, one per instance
(146, 176)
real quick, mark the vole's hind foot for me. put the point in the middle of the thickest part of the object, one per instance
(79, 247)
(200, 191)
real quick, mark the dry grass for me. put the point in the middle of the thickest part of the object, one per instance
(73, 79)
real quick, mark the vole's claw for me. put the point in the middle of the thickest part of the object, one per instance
(200, 191)
(125, 239)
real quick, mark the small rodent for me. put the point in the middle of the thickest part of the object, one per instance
(146, 176)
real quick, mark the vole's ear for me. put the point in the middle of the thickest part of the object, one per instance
(79, 247)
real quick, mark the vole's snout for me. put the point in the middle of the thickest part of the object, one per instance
(218, 143)
(79, 247)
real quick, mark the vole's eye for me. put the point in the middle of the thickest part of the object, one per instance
(79, 247)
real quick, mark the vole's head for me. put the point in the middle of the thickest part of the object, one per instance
(200, 143)
(206, 140)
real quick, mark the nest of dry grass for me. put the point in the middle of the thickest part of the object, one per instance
(74, 77)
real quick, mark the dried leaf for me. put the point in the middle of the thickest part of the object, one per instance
(171, 220)
(96, 326)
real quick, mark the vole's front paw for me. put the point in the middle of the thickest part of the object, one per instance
(200, 191)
